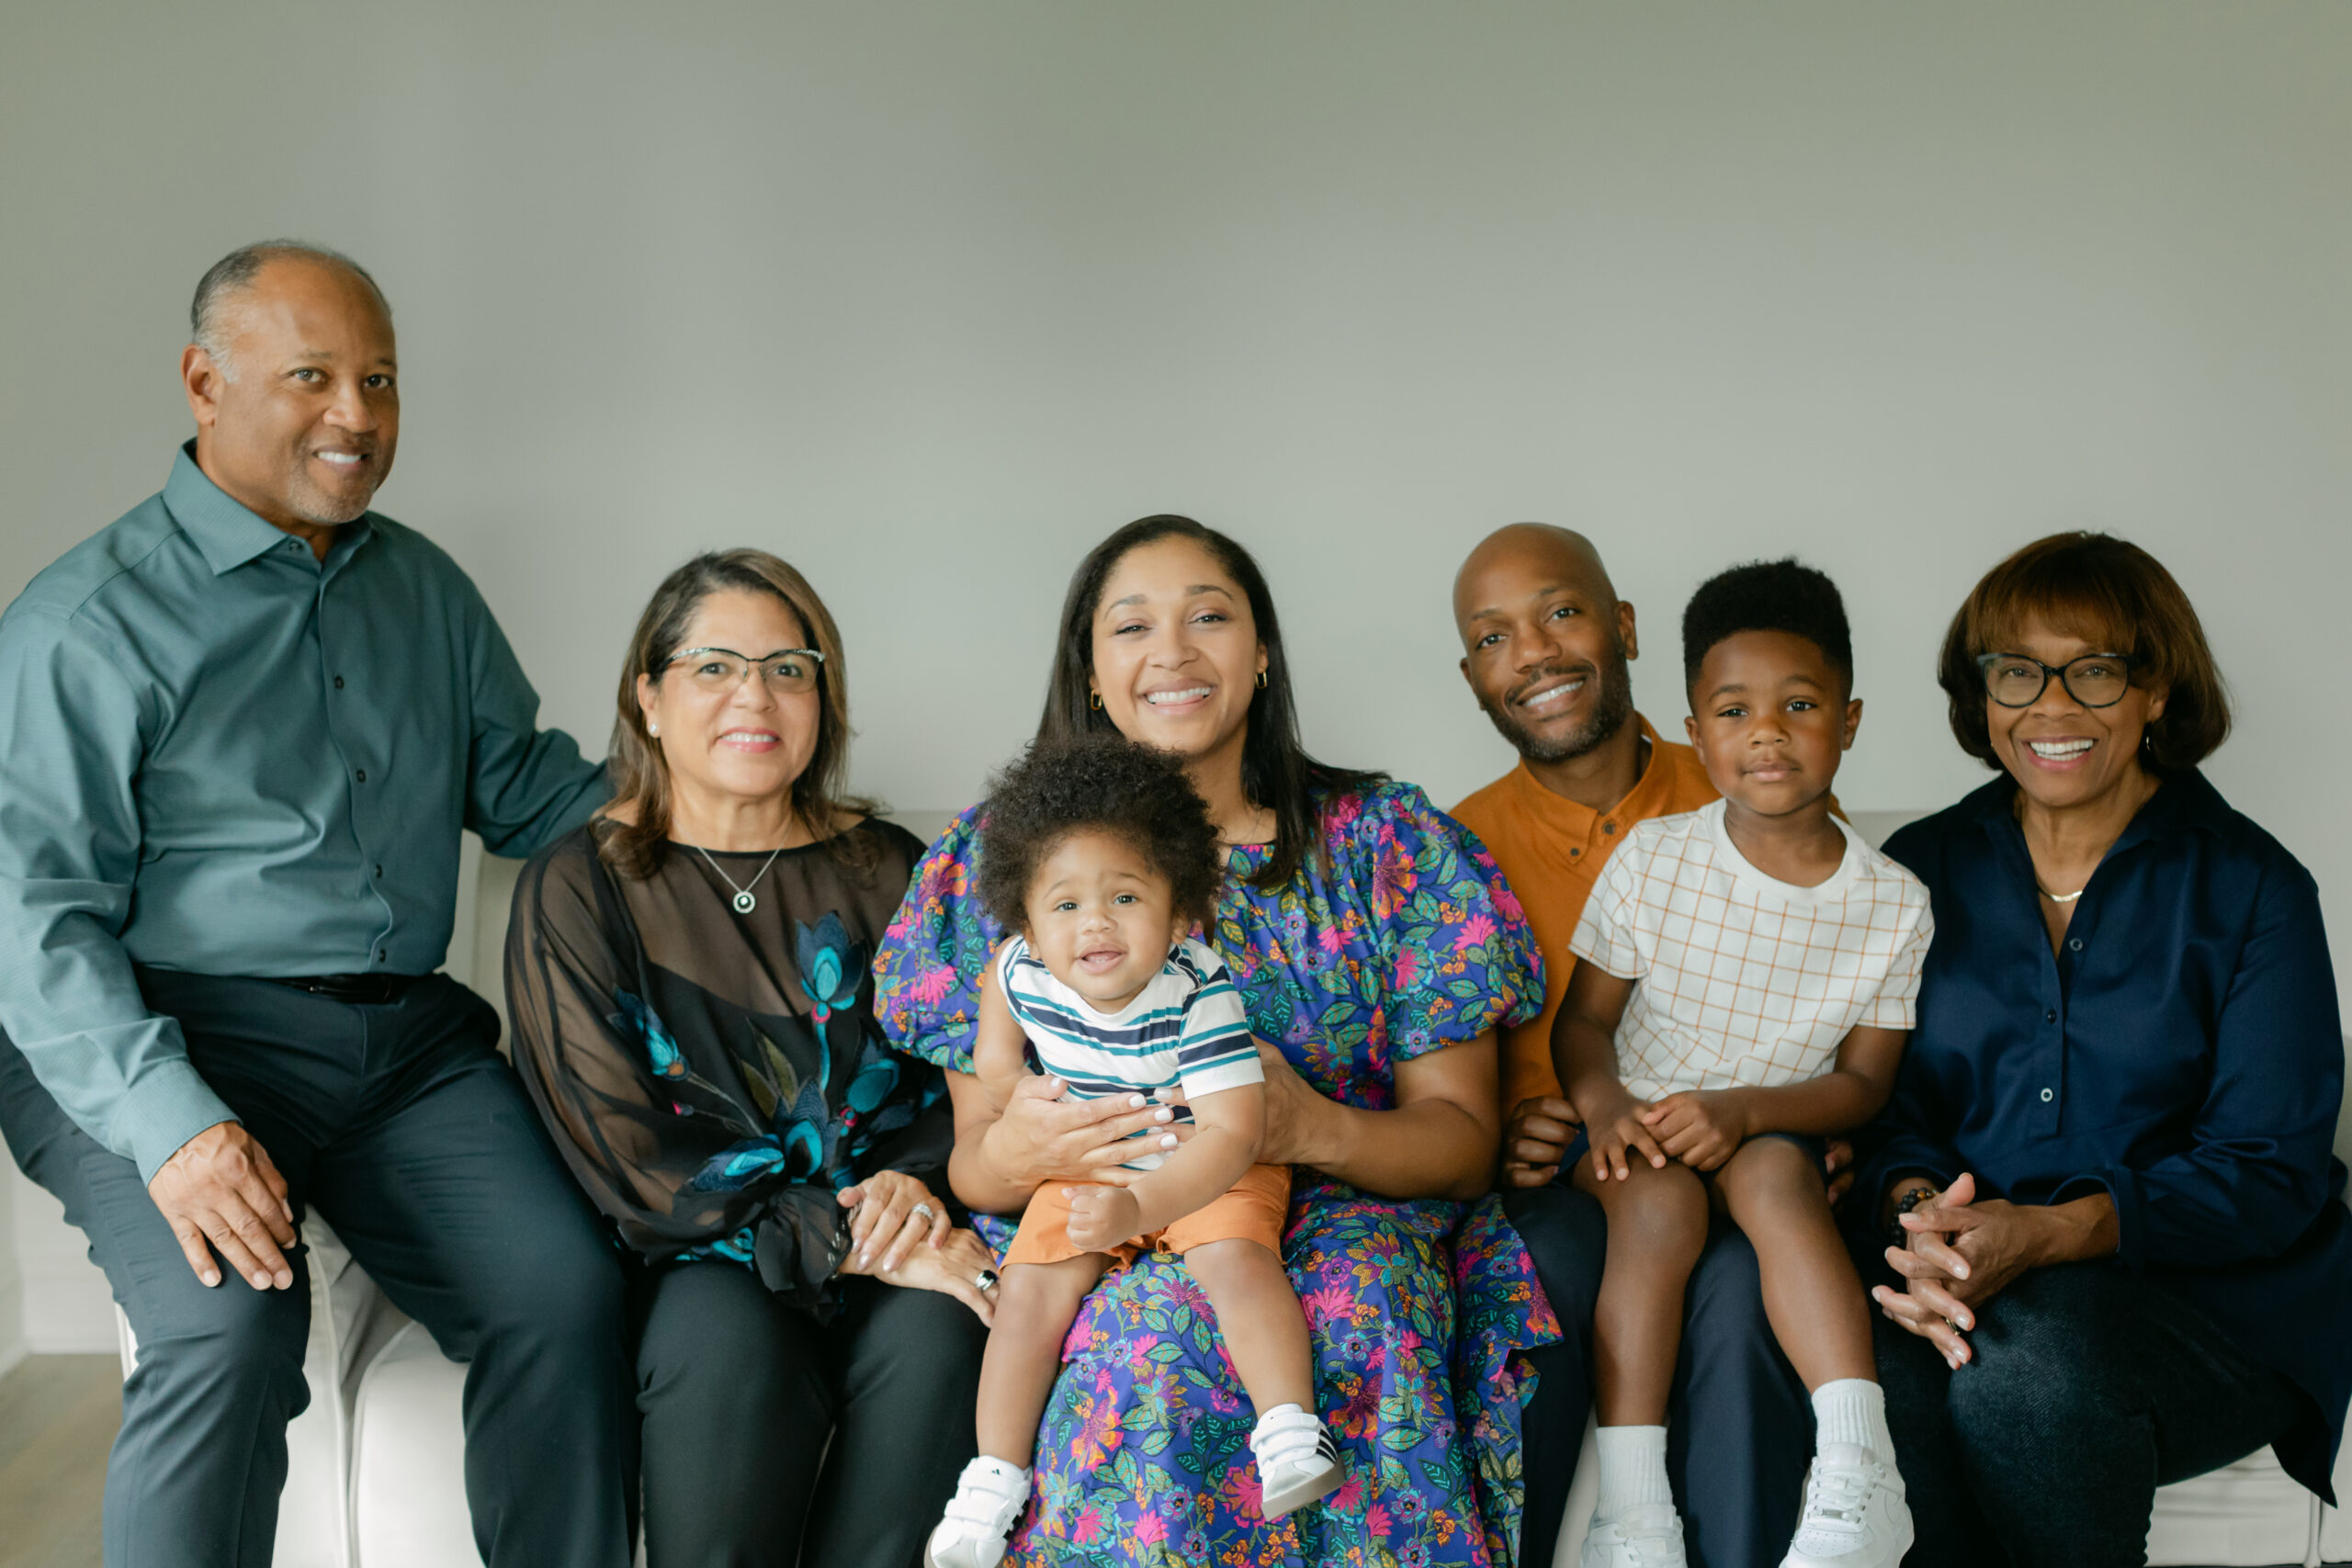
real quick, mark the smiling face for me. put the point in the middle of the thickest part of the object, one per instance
(1546, 642)
(2061, 753)
(1099, 917)
(1770, 718)
(1176, 654)
(299, 425)
(744, 741)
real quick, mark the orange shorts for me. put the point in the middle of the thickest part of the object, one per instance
(1255, 1208)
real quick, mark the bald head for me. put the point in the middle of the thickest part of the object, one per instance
(1546, 640)
(1514, 557)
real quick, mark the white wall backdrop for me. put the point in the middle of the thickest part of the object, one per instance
(929, 297)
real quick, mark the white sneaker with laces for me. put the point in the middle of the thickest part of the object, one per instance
(1649, 1535)
(988, 1499)
(1297, 1461)
(1854, 1513)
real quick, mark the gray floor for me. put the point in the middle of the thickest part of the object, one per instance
(57, 1418)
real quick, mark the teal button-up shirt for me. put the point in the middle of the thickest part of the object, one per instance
(223, 755)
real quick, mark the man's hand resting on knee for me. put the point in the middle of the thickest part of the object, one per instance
(222, 1189)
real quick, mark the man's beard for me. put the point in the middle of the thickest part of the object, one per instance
(1614, 706)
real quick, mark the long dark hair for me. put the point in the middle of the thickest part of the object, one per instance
(641, 776)
(1276, 773)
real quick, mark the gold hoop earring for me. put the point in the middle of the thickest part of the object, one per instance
(1094, 701)
(1261, 680)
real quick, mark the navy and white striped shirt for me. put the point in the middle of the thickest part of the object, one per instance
(1186, 1027)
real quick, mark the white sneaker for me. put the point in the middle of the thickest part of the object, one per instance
(1649, 1535)
(1854, 1513)
(1297, 1461)
(988, 1499)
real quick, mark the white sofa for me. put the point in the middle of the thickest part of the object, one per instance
(376, 1465)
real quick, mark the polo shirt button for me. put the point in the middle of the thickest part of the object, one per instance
(2048, 1095)
(2074, 944)
(362, 776)
(381, 956)
(2050, 1016)
(338, 682)
(380, 871)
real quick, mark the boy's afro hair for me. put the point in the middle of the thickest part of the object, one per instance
(1767, 596)
(1106, 783)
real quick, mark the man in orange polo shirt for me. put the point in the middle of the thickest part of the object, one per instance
(1545, 644)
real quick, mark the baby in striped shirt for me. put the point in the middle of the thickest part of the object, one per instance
(1099, 858)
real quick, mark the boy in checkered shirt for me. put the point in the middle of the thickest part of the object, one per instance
(1746, 975)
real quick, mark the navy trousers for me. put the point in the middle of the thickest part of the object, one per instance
(1739, 1426)
(402, 1127)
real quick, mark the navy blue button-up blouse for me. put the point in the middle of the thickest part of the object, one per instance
(2181, 1052)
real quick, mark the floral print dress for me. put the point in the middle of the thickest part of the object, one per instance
(1403, 941)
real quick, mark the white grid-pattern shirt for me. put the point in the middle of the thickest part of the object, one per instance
(1739, 978)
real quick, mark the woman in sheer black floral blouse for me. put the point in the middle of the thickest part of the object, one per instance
(690, 982)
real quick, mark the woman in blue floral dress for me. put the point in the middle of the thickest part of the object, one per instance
(1377, 949)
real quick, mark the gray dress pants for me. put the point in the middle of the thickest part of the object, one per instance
(403, 1128)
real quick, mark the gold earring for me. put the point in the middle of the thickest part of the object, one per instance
(1094, 701)
(1261, 680)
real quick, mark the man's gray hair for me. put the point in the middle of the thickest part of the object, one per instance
(236, 271)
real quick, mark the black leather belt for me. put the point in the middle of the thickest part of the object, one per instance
(363, 990)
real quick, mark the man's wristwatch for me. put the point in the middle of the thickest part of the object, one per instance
(1908, 1199)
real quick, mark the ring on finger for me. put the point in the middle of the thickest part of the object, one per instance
(985, 1280)
(925, 1210)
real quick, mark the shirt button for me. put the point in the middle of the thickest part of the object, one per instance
(1609, 826)
(2050, 1016)
(2074, 944)
(381, 956)
(2048, 1095)
(380, 871)
(338, 682)
(362, 776)
(1574, 853)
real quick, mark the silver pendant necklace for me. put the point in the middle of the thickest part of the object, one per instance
(2060, 898)
(744, 902)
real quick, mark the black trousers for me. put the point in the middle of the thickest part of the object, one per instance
(2088, 1390)
(403, 1128)
(740, 1392)
(1739, 1426)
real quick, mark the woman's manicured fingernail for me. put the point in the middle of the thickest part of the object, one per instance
(209, 1277)
(1135, 1103)
(1165, 1115)
(1168, 1141)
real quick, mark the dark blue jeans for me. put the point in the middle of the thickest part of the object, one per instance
(2088, 1390)
(403, 1128)
(1739, 1426)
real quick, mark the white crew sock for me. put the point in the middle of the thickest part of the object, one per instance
(1852, 1410)
(1633, 1469)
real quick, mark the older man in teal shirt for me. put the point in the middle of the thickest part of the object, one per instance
(245, 724)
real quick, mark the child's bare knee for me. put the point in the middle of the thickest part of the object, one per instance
(1664, 1210)
(1775, 1173)
(1234, 1258)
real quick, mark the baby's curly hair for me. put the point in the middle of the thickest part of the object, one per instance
(1106, 783)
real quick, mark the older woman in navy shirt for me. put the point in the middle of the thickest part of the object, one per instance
(2120, 1253)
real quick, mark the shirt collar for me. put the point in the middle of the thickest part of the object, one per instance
(1652, 777)
(2183, 801)
(228, 534)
